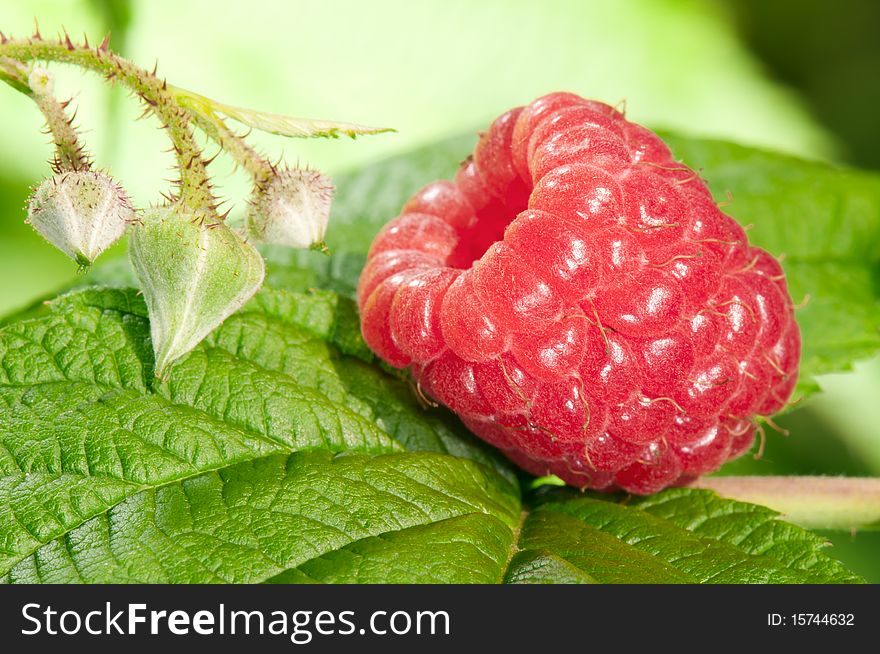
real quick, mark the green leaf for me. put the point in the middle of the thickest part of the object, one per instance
(252, 521)
(677, 536)
(469, 548)
(88, 437)
(272, 123)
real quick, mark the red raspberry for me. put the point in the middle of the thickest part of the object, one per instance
(579, 300)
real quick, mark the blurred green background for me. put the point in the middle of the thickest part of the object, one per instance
(789, 75)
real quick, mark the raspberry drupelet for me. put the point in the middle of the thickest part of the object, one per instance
(576, 296)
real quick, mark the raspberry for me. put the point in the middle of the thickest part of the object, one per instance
(579, 300)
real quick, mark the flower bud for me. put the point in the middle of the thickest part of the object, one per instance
(292, 209)
(81, 213)
(192, 276)
(40, 81)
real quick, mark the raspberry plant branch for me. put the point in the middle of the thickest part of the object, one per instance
(193, 269)
(202, 111)
(15, 74)
(37, 83)
(69, 152)
(175, 106)
(195, 185)
(812, 502)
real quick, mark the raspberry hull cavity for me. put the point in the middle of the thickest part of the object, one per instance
(579, 300)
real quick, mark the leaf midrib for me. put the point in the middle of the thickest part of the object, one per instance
(514, 544)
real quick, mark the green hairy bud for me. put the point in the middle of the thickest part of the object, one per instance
(292, 209)
(193, 277)
(81, 213)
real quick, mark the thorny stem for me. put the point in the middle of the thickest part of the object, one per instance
(195, 185)
(37, 83)
(848, 503)
(201, 110)
(15, 74)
